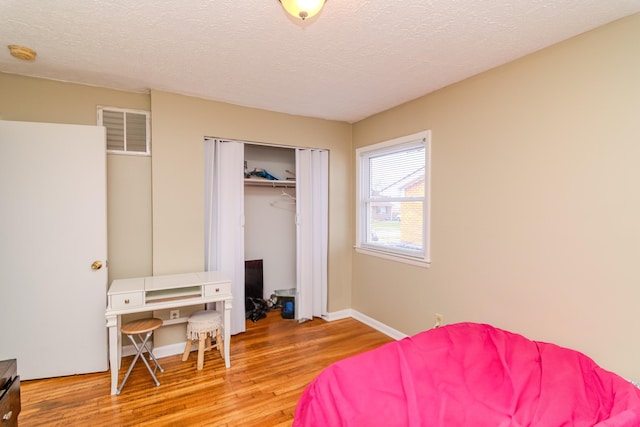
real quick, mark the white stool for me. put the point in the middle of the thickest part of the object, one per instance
(201, 327)
(139, 327)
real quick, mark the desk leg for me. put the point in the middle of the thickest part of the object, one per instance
(227, 332)
(113, 323)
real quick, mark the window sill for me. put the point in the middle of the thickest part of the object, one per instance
(424, 263)
(129, 153)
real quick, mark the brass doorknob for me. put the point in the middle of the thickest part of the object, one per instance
(97, 265)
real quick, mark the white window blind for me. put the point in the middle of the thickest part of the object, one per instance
(393, 198)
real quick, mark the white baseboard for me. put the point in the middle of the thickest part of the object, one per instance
(169, 350)
(338, 315)
(128, 350)
(369, 321)
(379, 326)
(162, 351)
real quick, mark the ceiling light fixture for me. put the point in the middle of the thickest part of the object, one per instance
(21, 52)
(302, 9)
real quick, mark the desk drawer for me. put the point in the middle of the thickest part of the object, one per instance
(133, 299)
(217, 289)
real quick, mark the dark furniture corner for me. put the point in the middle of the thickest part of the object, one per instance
(9, 393)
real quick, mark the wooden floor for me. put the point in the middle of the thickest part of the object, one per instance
(271, 363)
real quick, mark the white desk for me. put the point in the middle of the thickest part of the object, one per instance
(142, 294)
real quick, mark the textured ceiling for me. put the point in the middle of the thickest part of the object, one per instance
(356, 58)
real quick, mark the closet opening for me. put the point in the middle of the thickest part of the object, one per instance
(266, 212)
(270, 224)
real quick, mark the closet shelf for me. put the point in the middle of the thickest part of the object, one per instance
(269, 182)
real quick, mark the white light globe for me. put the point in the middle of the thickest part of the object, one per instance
(302, 9)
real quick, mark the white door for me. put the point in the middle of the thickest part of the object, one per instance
(224, 219)
(52, 229)
(312, 213)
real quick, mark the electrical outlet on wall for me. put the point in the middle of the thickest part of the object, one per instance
(439, 320)
(174, 314)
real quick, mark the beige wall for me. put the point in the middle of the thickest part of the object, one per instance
(161, 231)
(128, 177)
(179, 125)
(535, 201)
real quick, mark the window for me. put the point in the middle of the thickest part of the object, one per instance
(127, 130)
(393, 199)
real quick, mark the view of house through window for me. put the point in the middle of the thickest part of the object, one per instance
(393, 198)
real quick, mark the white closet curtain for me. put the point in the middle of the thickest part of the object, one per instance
(312, 208)
(224, 219)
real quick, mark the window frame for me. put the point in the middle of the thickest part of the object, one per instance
(363, 154)
(147, 114)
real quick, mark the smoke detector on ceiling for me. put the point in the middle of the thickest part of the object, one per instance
(22, 53)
